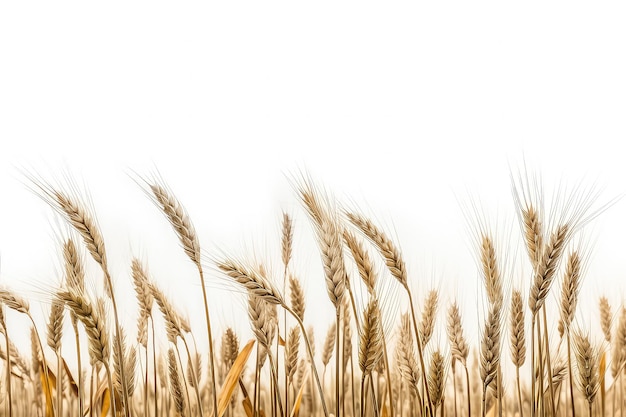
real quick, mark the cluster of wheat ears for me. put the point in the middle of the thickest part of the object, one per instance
(375, 371)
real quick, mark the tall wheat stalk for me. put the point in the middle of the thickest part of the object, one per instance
(395, 263)
(186, 232)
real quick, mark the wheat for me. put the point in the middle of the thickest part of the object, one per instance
(298, 302)
(407, 364)
(587, 366)
(291, 352)
(490, 346)
(176, 388)
(371, 338)
(546, 268)
(491, 272)
(388, 250)
(427, 325)
(605, 318)
(533, 233)
(517, 330)
(14, 301)
(329, 238)
(436, 378)
(94, 322)
(287, 239)
(329, 344)
(172, 319)
(569, 291)
(55, 325)
(252, 281)
(458, 344)
(363, 261)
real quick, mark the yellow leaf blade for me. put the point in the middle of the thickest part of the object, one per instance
(232, 378)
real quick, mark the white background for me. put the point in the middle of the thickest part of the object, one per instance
(405, 111)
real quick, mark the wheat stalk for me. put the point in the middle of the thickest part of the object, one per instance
(185, 230)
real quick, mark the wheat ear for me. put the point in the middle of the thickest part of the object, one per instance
(490, 349)
(518, 340)
(393, 259)
(185, 230)
(458, 346)
(605, 318)
(437, 378)
(427, 325)
(587, 366)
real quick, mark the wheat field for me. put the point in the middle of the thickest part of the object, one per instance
(372, 361)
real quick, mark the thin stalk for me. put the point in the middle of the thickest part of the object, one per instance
(454, 387)
(343, 385)
(469, 396)
(532, 368)
(8, 371)
(43, 360)
(275, 378)
(337, 360)
(362, 396)
(81, 399)
(484, 411)
(500, 391)
(621, 393)
(352, 386)
(118, 341)
(91, 392)
(310, 352)
(154, 369)
(194, 377)
(519, 393)
(569, 371)
(419, 351)
(374, 402)
(256, 383)
(388, 374)
(541, 370)
(547, 342)
(614, 396)
(208, 327)
(146, 409)
(59, 384)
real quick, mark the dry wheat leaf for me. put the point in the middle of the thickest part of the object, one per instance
(232, 378)
(106, 402)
